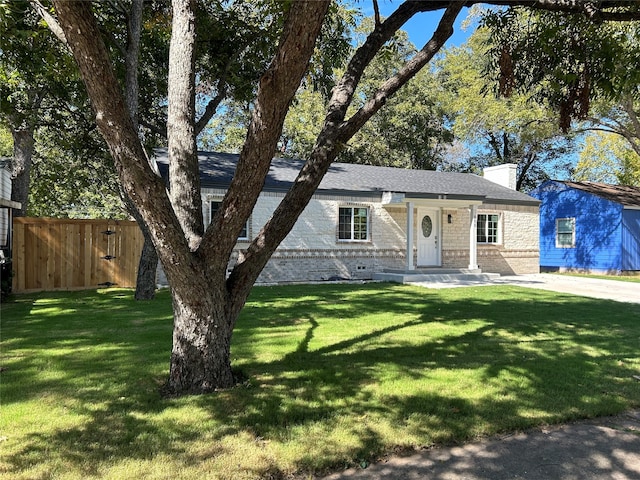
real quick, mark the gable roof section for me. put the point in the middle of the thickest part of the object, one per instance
(217, 169)
(622, 194)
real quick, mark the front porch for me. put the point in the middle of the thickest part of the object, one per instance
(436, 275)
(426, 225)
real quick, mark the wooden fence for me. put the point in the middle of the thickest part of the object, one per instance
(64, 254)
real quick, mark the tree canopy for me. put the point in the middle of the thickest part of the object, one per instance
(576, 58)
(589, 70)
(32, 89)
(607, 158)
(515, 129)
(409, 132)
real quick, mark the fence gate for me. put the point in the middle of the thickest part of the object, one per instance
(64, 254)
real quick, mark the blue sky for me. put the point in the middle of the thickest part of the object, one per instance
(422, 25)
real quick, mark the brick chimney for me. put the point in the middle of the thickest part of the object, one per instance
(504, 175)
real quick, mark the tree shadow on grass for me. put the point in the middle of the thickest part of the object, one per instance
(513, 353)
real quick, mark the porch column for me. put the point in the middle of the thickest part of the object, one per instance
(410, 264)
(473, 238)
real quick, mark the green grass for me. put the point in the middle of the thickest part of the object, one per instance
(339, 374)
(620, 278)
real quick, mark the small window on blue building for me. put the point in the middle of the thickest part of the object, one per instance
(565, 232)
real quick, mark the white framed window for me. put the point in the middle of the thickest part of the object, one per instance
(353, 224)
(215, 205)
(488, 229)
(565, 232)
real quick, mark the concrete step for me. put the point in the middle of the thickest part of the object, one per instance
(433, 270)
(455, 277)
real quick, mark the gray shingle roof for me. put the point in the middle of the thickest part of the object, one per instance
(217, 169)
(623, 194)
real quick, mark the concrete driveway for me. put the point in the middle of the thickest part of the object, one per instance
(588, 287)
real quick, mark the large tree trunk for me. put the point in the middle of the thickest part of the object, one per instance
(23, 143)
(202, 329)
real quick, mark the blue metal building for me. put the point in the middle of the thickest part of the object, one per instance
(589, 226)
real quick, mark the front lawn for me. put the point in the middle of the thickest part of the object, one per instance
(338, 375)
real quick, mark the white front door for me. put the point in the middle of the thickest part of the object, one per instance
(428, 237)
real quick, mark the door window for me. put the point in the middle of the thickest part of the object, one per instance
(427, 226)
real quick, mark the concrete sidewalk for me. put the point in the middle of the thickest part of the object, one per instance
(603, 449)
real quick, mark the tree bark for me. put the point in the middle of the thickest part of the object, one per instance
(184, 172)
(202, 329)
(148, 263)
(23, 143)
(147, 271)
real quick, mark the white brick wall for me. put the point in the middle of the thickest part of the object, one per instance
(522, 228)
(518, 252)
(317, 226)
(455, 235)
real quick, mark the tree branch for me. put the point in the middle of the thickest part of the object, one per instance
(158, 130)
(276, 89)
(223, 86)
(627, 106)
(524, 168)
(612, 125)
(376, 12)
(134, 28)
(596, 11)
(344, 90)
(408, 71)
(184, 172)
(143, 186)
(493, 141)
(333, 133)
(211, 108)
(506, 151)
(51, 22)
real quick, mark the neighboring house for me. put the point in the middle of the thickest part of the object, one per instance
(6, 226)
(589, 226)
(364, 220)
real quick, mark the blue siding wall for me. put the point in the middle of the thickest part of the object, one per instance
(598, 231)
(631, 240)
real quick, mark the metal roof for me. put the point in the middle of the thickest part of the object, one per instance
(217, 169)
